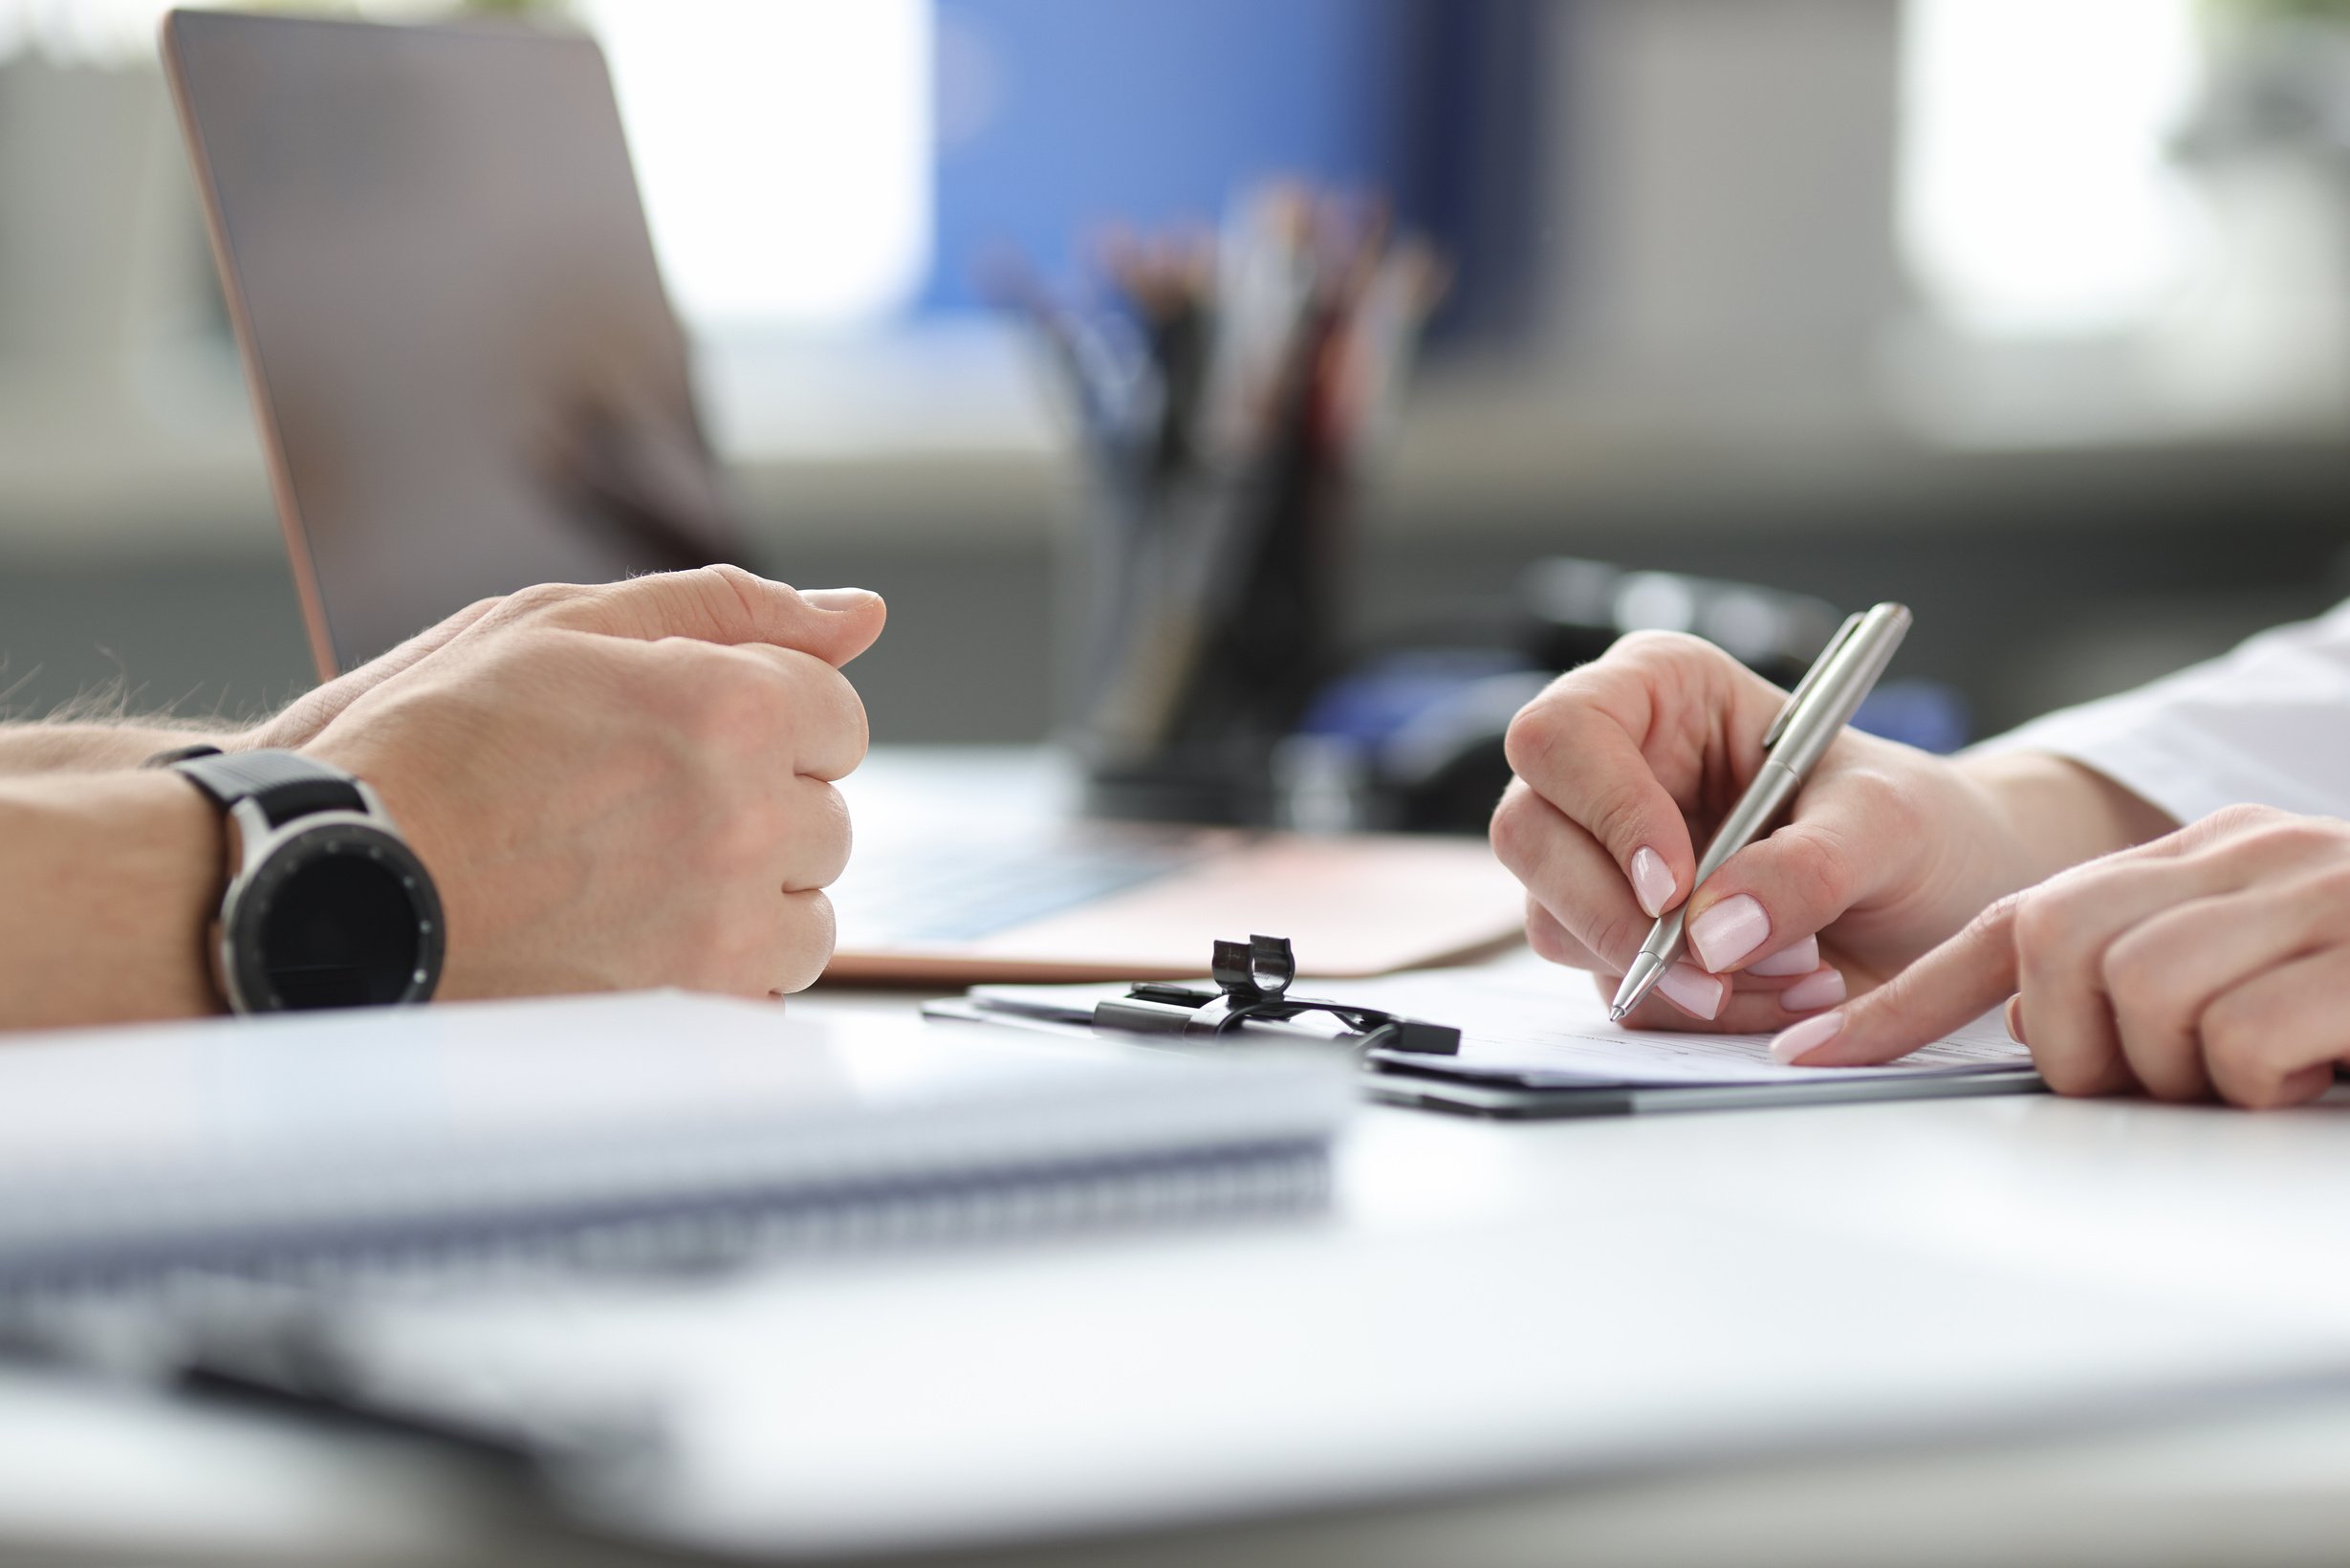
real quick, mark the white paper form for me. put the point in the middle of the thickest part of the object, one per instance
(1549, 1025)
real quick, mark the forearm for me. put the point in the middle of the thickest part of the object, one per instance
(109, 882)
(2058, 812)
(29, 748)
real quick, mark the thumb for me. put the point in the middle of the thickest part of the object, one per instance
(855, 619)
(718, 604)
(1784, 886)
(1949, 987)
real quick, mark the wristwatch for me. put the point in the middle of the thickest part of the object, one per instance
(326, 906)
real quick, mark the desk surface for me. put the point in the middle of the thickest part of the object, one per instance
(2186, 1207)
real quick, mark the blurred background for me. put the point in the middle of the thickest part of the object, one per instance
(2034, 314)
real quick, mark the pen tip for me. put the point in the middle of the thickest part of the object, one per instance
(1615, 1015)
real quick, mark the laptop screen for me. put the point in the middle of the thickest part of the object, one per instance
(467, 374)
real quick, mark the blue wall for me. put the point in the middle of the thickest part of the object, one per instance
(1058, 114)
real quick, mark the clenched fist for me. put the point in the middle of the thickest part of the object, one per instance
(618, 786)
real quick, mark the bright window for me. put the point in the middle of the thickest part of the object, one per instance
(2037, 198)
(785, 151)
(784, 146)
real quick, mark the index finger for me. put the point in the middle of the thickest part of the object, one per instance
(1578, 746)
(711, 604)
(1948, 989)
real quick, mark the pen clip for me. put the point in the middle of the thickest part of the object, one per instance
(1810, 679)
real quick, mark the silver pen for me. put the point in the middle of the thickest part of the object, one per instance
(1816, 712)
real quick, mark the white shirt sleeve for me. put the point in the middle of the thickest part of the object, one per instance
(2266, 725)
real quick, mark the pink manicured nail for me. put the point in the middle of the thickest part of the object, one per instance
(1729, 931)
(1693, 990)
(1813, 992)
(1806, 1037)
(1800, 959)
(1652, 881)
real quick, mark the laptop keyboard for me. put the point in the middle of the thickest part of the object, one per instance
(946, 893)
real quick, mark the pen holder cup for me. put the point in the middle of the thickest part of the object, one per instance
(1199, 618)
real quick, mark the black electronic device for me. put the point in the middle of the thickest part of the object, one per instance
(326, 905)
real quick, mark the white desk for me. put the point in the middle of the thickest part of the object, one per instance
(2044, 1185)
(2180, 1216)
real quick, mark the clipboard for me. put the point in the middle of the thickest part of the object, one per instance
(1421, 1063)
(1428, 1087)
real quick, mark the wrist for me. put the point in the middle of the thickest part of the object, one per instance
(192, 851)
(113, 879)
(31, 750)
(2055, 813)
(275, 734)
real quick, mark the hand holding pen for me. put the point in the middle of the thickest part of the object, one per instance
(1814, 716)
(1627, 767)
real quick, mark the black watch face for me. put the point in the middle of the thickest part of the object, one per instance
(342, 915)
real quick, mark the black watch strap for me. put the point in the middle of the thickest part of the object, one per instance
(181, 753)
(284, 785)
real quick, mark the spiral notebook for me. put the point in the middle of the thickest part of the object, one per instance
(651, 1127)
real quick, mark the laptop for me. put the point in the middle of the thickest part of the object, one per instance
(468, 378)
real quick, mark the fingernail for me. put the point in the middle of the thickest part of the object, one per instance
(1652, 881)
(1794, 1044)
(2014, 1010)
(1813, 992)
(838, 600)
(1693, 990)
(1729, 931)
(1800, 959)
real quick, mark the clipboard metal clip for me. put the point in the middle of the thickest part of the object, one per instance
(1252, 980)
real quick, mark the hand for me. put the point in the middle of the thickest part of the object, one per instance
(299, 722)
(91, 744)
(627, 785)
(1624, 768)
(2214, 960)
